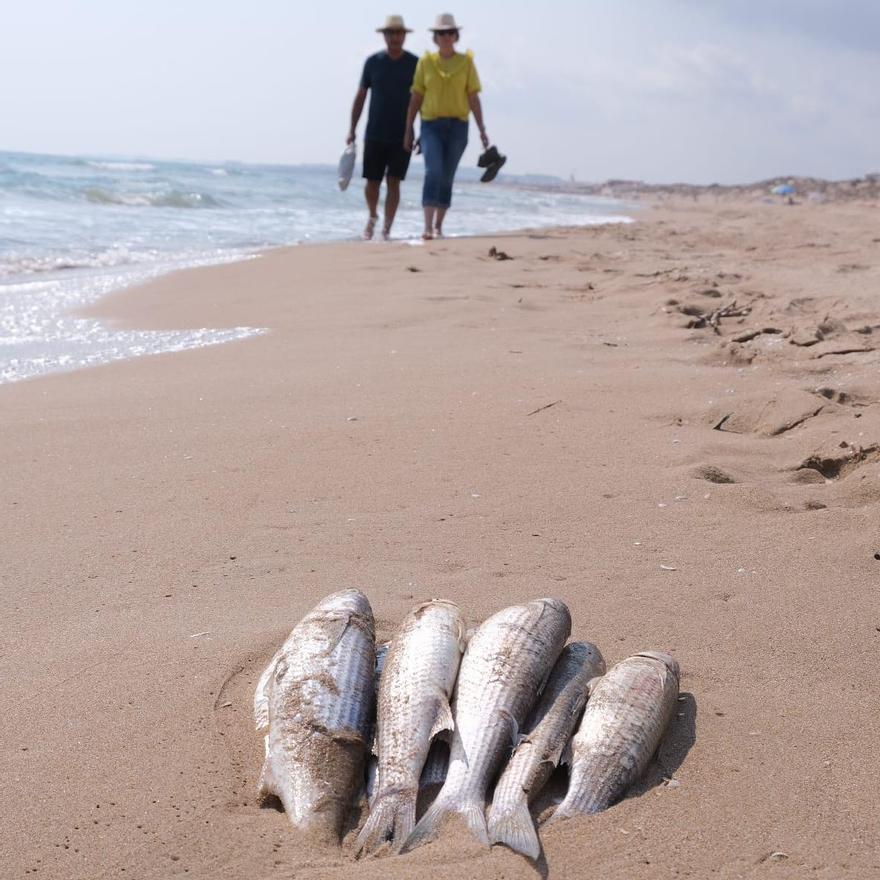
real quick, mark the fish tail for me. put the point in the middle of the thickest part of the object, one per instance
(474, 815)
(565, 810)
(514, 827)
(392, 817)
(573, 807)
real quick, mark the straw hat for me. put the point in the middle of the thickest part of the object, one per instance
(393, 23)
(445, 22)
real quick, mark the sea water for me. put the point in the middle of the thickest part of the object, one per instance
(72, 229)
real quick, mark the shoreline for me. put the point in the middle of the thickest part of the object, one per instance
(439, 422)
(132, 276)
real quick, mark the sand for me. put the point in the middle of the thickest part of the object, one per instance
(434, 422)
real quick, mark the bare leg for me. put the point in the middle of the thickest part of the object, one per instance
(438, 222)
(392, 200)
(429, 222)
(371, 193)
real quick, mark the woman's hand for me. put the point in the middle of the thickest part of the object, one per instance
(484, 138)
(408, 140)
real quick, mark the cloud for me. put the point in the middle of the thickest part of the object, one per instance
(851, 24)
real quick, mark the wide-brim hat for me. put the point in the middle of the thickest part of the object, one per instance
(393, 23)
(445, 22)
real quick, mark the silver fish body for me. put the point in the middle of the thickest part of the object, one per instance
(433, 773)
(315, 702)
(413, 707)
(507, 661)
(628, 712)
(546, 735)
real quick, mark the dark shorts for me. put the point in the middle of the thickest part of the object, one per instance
(381, 159)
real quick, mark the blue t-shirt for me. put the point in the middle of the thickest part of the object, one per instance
(389, 80)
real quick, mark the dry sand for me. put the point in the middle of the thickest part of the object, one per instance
(435, 422)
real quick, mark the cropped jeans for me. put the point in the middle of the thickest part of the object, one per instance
(443, 142)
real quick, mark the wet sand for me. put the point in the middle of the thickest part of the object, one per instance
(435, 422)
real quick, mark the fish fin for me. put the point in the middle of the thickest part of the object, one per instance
(514, 827)
(567, 756)
(572, 806)
(514, 728)
(474, 815)
(543, 684)
(555, 756)
(443, 720)
(537, 614)
(340, 628)
(261, 694)
(560, 814)
(392, 817)
(429, 825)
(462, 752)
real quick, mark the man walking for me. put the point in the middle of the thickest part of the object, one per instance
(389, 75)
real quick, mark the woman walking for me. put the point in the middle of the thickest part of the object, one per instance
(446, 91)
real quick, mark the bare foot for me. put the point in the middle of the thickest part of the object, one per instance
(427, 235)
(386, 234)
(438, 233)
(369, 228)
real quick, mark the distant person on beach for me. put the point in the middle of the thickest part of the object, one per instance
(446, 91)
(388, 75)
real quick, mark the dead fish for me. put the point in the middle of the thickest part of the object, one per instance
(628, 711)
(315, 702)
(413, 707)
(547, 733)
(505, 666)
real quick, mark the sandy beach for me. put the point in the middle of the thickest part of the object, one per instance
(672, 425)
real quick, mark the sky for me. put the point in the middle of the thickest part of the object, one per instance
(697, 91)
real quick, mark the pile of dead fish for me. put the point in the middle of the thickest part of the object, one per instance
(512, 701)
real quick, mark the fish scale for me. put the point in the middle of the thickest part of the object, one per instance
(547, 733)
(625, 719)
(413, 706)
(315, 703)
(507, 661)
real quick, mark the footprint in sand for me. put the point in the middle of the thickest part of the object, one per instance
(838, 465)
(768, 416)
(712, 474)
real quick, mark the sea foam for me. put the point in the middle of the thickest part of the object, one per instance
(73, 229)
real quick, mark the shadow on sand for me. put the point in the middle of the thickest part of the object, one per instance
(679, 740)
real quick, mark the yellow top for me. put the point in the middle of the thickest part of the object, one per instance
(445, 84)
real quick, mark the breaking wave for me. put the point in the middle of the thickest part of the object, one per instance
(121, 166)
(99, 195)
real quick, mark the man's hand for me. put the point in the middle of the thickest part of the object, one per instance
(351, 137)
(408, 141)
(485, 139)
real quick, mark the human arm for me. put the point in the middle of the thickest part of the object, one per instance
(356, 109)
(415, 104)
(477, 110)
